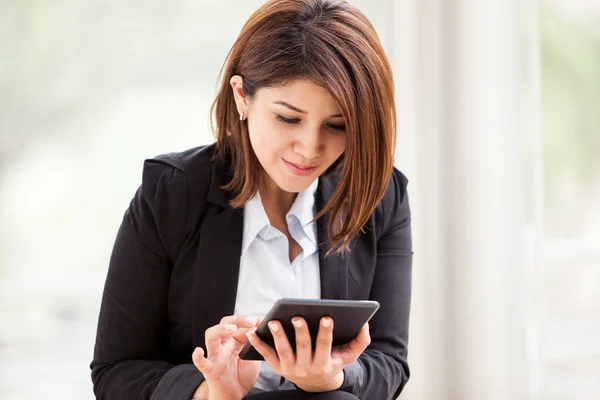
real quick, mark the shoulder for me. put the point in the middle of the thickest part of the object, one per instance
(175, 170)
(396, 191)
(394, 205)
(170, 184)
(194, 161)
(172, 181)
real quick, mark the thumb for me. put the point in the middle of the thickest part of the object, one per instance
(202, 363)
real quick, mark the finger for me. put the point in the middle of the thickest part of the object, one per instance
(202, 363)
(241, 321)
(349, 352)
(220, 361)
(268, 352)
(214, 336)
(282, 345)
(303, 347)
(322, 358)
(239, 337)
(229, 349)
(361, 341)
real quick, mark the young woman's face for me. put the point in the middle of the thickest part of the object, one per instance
(297, 132)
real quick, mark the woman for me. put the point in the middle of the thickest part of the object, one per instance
(297, 198)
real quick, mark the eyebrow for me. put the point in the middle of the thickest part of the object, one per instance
(291, 107)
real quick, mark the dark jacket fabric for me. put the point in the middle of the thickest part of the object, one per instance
(174, 272)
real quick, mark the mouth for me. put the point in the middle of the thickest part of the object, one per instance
(300, 169)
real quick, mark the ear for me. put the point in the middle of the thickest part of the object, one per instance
(237, 85)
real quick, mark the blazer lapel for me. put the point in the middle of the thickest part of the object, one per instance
(219, 252)
(334, 269)
(216, 278)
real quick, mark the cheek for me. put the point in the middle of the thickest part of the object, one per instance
(336, 146)
(267, 139)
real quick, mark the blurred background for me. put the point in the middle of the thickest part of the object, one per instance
(499, 131)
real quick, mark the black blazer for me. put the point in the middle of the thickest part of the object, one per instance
(174, 273)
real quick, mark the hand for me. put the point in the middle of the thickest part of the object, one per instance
(320, 371)
(227, 377)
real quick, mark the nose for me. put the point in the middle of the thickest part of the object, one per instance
(309, 143)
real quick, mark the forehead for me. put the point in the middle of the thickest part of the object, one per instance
(301, 93)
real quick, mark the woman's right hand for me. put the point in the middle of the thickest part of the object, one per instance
(227, 376)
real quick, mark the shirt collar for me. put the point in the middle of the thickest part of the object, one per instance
(255, 220)
(302, 210)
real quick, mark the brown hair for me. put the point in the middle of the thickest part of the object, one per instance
(334, 45)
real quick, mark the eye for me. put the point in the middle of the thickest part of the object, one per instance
(289, 121)
(337, 128)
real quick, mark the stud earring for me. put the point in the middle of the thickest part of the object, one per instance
(241, 116)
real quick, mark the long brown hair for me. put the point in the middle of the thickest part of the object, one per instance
(334, 45)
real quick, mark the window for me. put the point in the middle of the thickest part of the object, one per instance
(570, 40)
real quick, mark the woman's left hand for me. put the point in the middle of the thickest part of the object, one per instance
(318, 371)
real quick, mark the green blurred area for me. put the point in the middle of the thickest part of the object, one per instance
(571, 121)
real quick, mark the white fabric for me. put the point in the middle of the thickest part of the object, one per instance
(266, 274)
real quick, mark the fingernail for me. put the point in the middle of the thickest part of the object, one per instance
(297, 323)
(273, 326)
(250, 335)
(326, 322)
(230, 327)
(250, 321)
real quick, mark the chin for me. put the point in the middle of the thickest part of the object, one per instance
(294, 185)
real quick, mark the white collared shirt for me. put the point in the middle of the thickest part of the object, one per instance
(266, 274)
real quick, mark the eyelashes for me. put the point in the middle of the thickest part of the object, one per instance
(337, 128)
(289, 121)
(296, 121)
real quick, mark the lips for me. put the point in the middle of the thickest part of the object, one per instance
(300, 169)
(302, 166)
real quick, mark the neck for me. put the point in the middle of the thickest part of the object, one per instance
(277, 202)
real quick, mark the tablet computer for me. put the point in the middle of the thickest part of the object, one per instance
(349, 316)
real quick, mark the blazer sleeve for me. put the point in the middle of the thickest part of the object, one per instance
(129, 351)
(382, 370)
